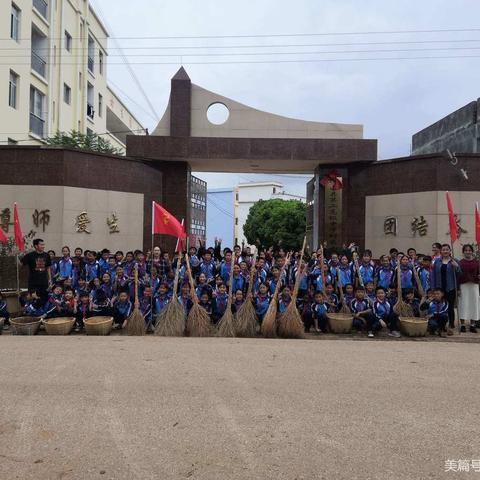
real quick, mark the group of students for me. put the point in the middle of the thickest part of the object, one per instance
(102, 283)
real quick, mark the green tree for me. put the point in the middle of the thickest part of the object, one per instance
(277, 223)
(90, 142)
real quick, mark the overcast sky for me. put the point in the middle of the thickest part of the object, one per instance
(392, 99)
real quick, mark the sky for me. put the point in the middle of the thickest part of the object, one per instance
(392, 98)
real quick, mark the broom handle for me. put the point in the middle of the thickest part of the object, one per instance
(192, 286)
(177, 274)
(297, 278)
(322, 273)
(419, 283)
(252, 276)
(357, 268)
(340, 289)
(279, 281)
(230, 280)
(135, 276)
(399, 281)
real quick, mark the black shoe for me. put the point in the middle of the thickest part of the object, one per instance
(473, 329)
(463, 329)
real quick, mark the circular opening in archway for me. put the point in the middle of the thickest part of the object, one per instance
(218, 113)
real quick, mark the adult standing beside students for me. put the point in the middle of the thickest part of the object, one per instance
(39, 268)
(469, 304)
(445, 273)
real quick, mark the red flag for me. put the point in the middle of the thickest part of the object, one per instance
(3, 237)
(165, 223)
(18, 230)
(477, 224)
(451, 220)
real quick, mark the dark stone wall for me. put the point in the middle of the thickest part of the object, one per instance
(456, 132)
(421, 173)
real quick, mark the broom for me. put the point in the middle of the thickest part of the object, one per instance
(344, 308)
(136, 322)
(226, 325)
(246, 318)
(269, 324)
(198, 321)
(171, 321)
(357, 268)
(290, 324)
(401, 308)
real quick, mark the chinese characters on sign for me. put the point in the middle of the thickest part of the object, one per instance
(81, 222)
(333, 215)
(112, 223)
(419, 225)
(390, 226)
(41, 217)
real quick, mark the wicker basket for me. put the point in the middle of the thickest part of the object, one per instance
(59, 326)
(413, 326)
(98, 325)
(25, 325)
(340, 322)
(2, 323)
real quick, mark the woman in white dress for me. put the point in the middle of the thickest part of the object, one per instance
(469, 302)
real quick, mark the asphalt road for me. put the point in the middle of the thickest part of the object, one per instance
(154, 408)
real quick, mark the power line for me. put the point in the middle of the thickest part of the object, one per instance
(232, 54)
(314, 60)
(284, 35)
(177, 47)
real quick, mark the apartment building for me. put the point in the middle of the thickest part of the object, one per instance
(53, 74)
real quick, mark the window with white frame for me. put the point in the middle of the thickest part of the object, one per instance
(67, 94)
(68, 41)
(15, 23)
(100, 62)
(37, 112)
(100, 105)
(13, 90)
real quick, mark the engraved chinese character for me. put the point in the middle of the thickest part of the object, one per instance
(390, 226)
(81, 222)
(41, 217)
(5, 217)
(419, 225)
(460, 229)
(112, 223)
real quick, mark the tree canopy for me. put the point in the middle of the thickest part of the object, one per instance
(276, 223)
(91, 142)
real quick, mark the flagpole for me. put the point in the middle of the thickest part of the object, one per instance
(152, 322)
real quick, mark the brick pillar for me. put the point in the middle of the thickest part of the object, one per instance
(180, 104)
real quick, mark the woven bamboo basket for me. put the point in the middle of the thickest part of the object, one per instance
(413, 326)
(98, 325)
(2, 323)
(59, 326)
(340, 322)
(25, 325)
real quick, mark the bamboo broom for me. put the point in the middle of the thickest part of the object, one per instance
(171, 321)
(198, 321)
(421, 291)
(226, 325)
(401, 308)
(269, 324)
(344, 308)
(136, 322)
(246, 318)
(290, 324)
(357, 268)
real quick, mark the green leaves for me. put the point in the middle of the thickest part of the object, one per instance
(90, 142)
(276, 222)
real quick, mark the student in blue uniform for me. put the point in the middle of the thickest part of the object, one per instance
(437, 312)
(206, 303)
(304, 305)
(346, 273)
(384, 315)
(366, 269)
(362, 311)
(102, 306)
(92, 269)
(331, 298)
(238, 280)
(219, 304)
(207, 266)
(103, 266)
(413, 302)
(407, 279)
(319, 313)
(425, 273)
(4, 312)
(384, 273)
(122, 308)
(285, 299)
(225, 266)
(146, 304)
(65, 265)
(82, 311)
(202, 285)
(261, 301)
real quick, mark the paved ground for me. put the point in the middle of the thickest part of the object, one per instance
(153, 408)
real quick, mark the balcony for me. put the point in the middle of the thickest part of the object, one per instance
(90, 111)
(42, 7)
(39, 65)
(37, 125)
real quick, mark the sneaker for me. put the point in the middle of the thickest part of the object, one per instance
(370, 334)
(463, 329)
(7, 327)
(77, 329)
(472, 329)
(394, 333)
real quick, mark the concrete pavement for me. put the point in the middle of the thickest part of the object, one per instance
(157, 408)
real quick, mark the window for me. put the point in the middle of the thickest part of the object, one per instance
(39, 52)
(89, 132)
(100, 62)
(11, 141)
(67, 94)
(68, 41)
(13, 90)
(42, 7)
(236, 220)
(15, 23)
(91, 54)
(90, 101)
(100, 105)
(236, 197)
(274, 190)
(37, 112)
